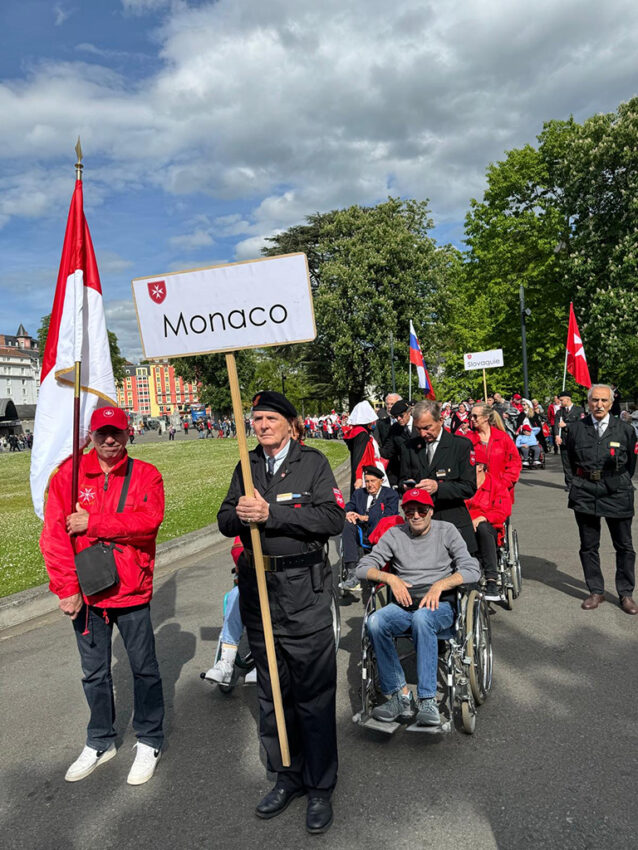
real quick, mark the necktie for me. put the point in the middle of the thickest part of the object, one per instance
(271, 467)
(430, 452)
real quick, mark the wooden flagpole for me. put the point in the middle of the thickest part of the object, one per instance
(260, 572)
(75, 469)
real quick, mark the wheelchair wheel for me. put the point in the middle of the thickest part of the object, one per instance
(479, 646)
(369, 678)
(468, 718)
(336, 617)
(517, 576)
(509, 598)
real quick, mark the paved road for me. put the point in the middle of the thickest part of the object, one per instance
(552, 763)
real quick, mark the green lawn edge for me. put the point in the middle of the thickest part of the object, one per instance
(196, 476)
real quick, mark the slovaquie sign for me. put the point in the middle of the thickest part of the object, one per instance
(483, 359)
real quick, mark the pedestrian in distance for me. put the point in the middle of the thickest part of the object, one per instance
(120, 508)
(567, 415)
(601, 454)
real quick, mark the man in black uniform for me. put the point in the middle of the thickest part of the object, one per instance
(298, 508)
(567, 414)
(601, 452)
(401, 431)
(443, 465)
(386, 420)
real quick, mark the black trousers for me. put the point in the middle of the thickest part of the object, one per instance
(564, 459)
(620, 530)
(486, 536)
(350, 539)
(308, 678)
(94, 635)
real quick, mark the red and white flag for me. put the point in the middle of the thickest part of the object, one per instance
(576, 360)
(77, 331)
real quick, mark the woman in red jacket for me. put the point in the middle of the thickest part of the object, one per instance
(502, 456)
(489, 507)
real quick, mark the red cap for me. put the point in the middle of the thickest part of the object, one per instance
(527, 429)
(111, 417)
(516, 396)
(416, 495)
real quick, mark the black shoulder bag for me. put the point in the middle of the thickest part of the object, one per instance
(95, 566)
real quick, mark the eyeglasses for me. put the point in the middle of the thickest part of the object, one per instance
(475, 415)
(420, 511)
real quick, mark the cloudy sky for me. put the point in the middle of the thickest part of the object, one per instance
(207, 126)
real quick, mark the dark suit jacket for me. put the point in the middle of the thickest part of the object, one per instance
(387, 504)
(452, 468)
(382, 428)
(391, 450)
(574, 415)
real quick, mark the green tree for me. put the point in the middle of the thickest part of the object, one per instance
(372, 270)
(117, 361)
(209, 372)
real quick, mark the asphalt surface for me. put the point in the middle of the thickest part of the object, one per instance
(552, 763)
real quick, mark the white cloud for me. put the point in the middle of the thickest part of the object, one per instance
(294, 106)
(121, 319)
(60, 14)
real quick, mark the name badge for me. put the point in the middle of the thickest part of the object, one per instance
(615, 445)
(441, 473)
(288, 497)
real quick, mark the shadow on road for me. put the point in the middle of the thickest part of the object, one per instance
(546, 572)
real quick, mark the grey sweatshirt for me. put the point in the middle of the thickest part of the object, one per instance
(424, 559)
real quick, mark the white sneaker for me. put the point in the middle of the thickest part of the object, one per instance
(221, 672)
(87, 761)
(251, 677)
(144, 765)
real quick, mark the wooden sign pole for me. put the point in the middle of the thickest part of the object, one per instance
(260, 572)
(484, 388)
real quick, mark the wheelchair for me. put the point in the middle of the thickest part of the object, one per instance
(244, 666)
(363, 547)
(509, 579)
(537, 464)
(464, 665)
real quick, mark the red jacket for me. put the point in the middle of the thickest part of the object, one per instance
(504, 461)
(134, 530)
(492, 500)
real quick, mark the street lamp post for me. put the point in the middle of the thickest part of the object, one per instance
(525, 311)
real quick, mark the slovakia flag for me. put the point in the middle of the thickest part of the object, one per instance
(77, 332)
(416, 358)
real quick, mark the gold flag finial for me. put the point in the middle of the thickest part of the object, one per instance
(78, 164)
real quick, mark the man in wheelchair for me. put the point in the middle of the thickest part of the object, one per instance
(528, 446)
(366, 508)
(428, 559)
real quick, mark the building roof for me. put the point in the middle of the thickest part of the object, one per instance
(26, 411)
(21, 331)
(8, 409)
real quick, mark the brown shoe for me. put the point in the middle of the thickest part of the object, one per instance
(628, 605)
(593, 601)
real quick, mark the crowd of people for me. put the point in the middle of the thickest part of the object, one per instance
(451, 470)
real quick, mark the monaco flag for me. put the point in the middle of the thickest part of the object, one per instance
(416, 358)
(77, 331)
(576, 360)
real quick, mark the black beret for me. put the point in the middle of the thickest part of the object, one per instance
(373, 470)
(399, 407)
(271, 400)
(563, 393)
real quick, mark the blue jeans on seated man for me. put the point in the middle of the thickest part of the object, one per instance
(425, 625)
(233, 626)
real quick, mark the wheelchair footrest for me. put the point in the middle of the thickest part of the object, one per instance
(442, 728)
(369, 722)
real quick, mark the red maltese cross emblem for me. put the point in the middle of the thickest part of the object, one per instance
(157, 291)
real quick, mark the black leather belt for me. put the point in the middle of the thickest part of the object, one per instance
(595, 474)
(277, 563)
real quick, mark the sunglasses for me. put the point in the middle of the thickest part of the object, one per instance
(420, 511)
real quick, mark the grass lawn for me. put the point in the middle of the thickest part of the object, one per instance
(196, 477)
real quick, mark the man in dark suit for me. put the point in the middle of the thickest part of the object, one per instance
(442, 465)
(402, 431)
(366, 507)
(601, 452)
(567, 414)
(385, 421)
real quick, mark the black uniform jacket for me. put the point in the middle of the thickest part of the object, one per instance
(611, 459)
(453, 470)
(382, 428)
(574, 415)
(391, 450)
(306, 509)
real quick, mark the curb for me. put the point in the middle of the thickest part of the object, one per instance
(37, 601)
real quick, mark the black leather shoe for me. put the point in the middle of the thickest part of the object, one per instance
(319, 814)
(276, 801)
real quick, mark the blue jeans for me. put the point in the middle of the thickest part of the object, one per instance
(135, 626)
(233, 627)
(425, 626)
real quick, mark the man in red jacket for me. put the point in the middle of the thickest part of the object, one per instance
(121, 501)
